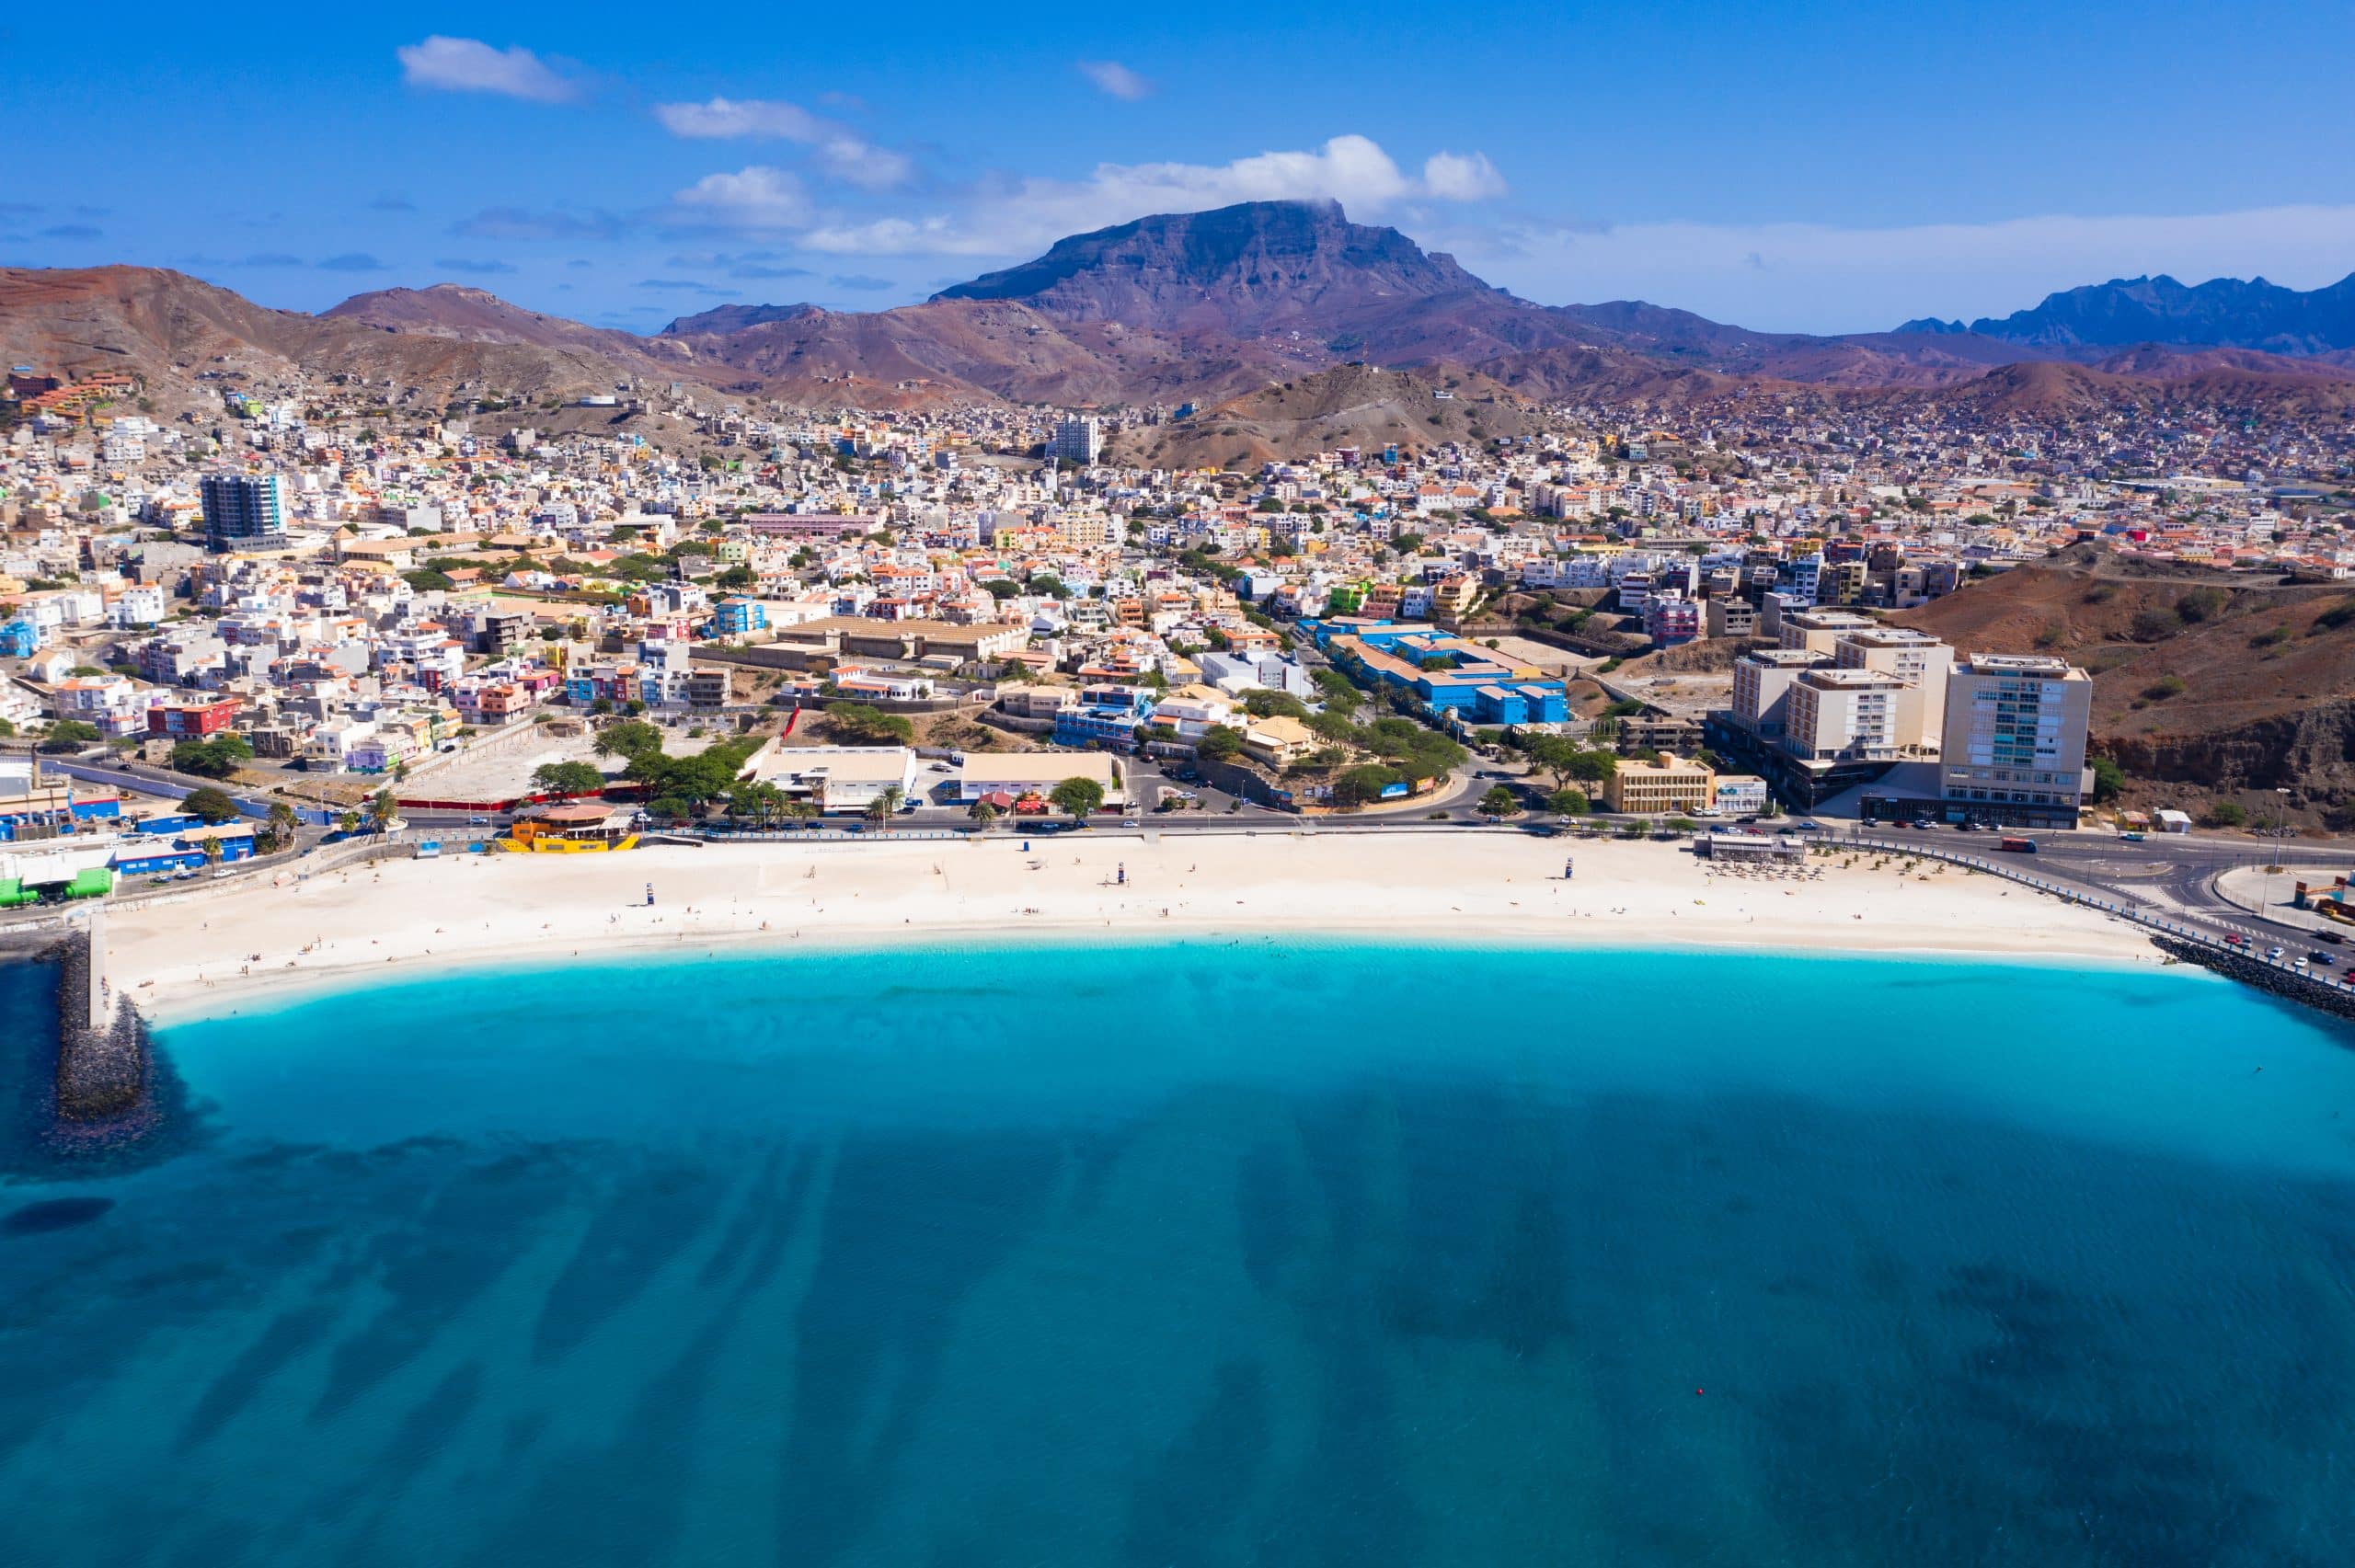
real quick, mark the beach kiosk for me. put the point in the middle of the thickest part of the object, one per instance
(576, 828)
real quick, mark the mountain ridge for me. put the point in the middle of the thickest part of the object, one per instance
(1203, 307)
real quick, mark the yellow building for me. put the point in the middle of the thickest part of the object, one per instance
(573, 828)
(1670, 785)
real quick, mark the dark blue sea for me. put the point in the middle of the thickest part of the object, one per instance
(1197, 1254)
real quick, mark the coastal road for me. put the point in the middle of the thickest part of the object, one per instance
(2167, 874)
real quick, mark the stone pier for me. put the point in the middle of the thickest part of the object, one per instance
(101, 1039)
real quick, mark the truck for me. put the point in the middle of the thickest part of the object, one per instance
(2012, 845)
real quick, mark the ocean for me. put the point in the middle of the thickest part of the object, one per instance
(1203, 1253)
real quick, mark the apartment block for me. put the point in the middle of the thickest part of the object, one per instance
(2016, 729)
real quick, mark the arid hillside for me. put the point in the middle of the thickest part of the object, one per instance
(1349, 406)
(2206, 685)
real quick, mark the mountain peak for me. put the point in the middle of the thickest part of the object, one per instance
(1247, 270)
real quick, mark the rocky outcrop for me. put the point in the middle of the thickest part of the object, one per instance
(2311, 751)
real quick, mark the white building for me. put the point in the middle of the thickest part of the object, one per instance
(2016, 729)
(1079, 438)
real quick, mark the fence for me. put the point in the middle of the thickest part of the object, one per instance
(2068, 892)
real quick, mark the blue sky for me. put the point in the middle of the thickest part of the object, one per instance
(1809, 167)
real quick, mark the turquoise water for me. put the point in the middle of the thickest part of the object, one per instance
(1203, 1254)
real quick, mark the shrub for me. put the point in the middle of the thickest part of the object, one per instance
(2155, 624)
(2225, 814)
(2202, 604)
(2165, 686)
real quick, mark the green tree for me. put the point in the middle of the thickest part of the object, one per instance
(284, 825)
(628, 738)
(2109, 779)
(567, 778)
(208, 804)
(1076, 797)
(1220, 743)
(863, 723)
(1499, 802)
(383, 810)
(215, 756)
(1568, 803)
(1363, 784)
(1267, 704)
(879, 809)
(982, 813)
(2226, 814)
(69, 735)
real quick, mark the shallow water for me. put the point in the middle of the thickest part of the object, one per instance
(1206, 1254)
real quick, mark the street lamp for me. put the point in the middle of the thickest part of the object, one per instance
(2280, 833)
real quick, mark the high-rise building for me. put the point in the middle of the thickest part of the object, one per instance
(2015, 732)
(1761, 686)
(242, 509)
(1915, 657)
(1077, 440)
(1842, 716)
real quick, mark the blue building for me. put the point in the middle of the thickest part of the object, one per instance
(157, 854)
(242, 509)
(1105, 717)
(1452, 675)
(19, 640)
(735, 617)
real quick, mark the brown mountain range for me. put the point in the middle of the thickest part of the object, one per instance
(1203, 307)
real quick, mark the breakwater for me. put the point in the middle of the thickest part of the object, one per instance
(2250, 969)
(102, 1047)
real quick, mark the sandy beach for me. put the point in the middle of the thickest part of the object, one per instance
(207, 954)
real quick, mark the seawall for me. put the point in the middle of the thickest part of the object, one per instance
(2255, 971)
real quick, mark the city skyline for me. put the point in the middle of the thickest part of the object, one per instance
(1757, 170)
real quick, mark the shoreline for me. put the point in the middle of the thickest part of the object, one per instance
(403, 919)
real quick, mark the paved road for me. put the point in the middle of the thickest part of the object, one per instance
(2167, 874)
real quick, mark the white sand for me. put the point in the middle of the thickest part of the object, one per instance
(202, 955)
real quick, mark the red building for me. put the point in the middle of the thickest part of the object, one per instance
(191, 720)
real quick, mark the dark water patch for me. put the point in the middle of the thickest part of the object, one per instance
(1194, 1504)
(911, 1226)
(425, 1432)
(654, 1213)
(56, 1214)
(438, 1261)
(292, 1333)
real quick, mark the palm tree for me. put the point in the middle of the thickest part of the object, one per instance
(349, 822)
(984, 813)
(284, 825)
(879, 809)
(383, 810)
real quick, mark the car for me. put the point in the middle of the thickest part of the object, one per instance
(2131, 837)
(1129, 823)
(2234, 938)
(1965, 827)
(2273, 954)
(2319, 956)
(478, 822)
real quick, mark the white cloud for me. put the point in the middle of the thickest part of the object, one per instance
(1018, 217)
(1111, 76)
(470, 65)
(1820, 278)
(836, 148)
(1453, 176)
(754, 196)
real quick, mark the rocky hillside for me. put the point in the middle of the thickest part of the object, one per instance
(2206, 685)
(1348, 406)
(170, 328)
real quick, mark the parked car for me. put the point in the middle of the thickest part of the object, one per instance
(478, 822)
